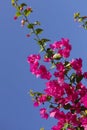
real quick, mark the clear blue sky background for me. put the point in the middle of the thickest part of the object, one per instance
(56, 16)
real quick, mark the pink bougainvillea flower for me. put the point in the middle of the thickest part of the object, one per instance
(58, 127)
(39, 70)
(55, 128)
(42, 98)
(56, 45)
(84, 100)
(44, 73)
(64, 53)
(54, 112)
(46, 59)
(76, 64)
(84, 122)
(54, 89)
(72, 119)
(60, 67)
(36, 104)
(43, 113)
(66, 43)
(82, 90)
(64, 118)
(63, 47)
(33, 58)
(85, 75)
(65, 50)
(60, 74)
(34, 68)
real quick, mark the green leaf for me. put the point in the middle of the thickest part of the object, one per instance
(76, 101)
(49, 52)
(12, 1)
(82, 108)
(41, 48)
(86, 23)
(72, 111)
(67, 67)
(42, 41)
(53, 66)
(38, 31)
(65, 126)
(67, 106)
(45, 40)
(42, 129)
(38, 93)
(31, 93)
(80, 128)
(27, 12)
(67, 64)
(23, 4)
(18, 14)
(80, 19)
(76, 15)
(37, 23)
(30, 26)
(51, 106)
(49, 98)
(84, 26)
(72, 77)
(79, 78)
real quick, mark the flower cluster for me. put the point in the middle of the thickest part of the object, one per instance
(65, 92)
(63, 47)
(38, 70)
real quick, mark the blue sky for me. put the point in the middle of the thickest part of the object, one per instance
(56, 17)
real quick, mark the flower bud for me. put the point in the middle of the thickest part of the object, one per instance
(29, 9)
(15, 17)
(27, 35)
(23, 22)
(57, 56)
(21, 8)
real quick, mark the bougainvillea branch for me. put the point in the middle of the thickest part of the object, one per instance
(22, 10)
(64, 92)
(81, 19)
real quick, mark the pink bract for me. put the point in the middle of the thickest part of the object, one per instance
(77, 65)
(84, 122)
(63, 47)
(43, 113)
(85, 75)
(33, 58)
(44, 73)
(84, 100)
